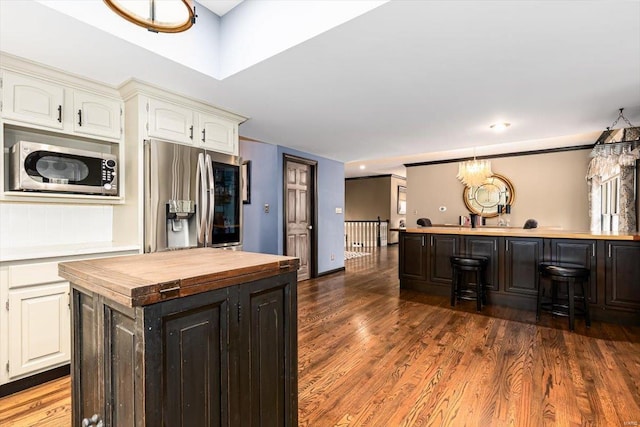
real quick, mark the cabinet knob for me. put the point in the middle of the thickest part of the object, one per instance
(95, 420)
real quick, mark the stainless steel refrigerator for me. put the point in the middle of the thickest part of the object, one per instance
(191, 198)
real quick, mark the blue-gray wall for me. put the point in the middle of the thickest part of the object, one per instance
(263, 231)
(260, 232)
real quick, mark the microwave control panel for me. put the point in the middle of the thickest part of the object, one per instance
(108, 173)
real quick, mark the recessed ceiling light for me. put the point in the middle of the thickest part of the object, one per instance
(362, 167)
(498, 127)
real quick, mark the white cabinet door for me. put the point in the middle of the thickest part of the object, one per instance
(32, 100)
(217, 134)
(170, 122)
(96, 115)
(39, 328)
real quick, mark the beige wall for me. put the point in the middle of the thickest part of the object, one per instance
(367, 199)
(370, 198)
(550, 188)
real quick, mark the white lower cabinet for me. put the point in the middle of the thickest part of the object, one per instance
(39, 328)
(35, 321)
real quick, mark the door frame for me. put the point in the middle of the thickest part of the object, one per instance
(313, 218)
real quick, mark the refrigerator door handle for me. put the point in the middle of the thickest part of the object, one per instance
(212, 191)
(201, 200)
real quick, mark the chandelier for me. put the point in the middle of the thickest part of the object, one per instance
(614, 148)
(473, 173)
(158, 16)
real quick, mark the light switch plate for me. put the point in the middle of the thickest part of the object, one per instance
(338, 210)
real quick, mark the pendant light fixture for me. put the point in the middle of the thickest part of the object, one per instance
(158, 16)
(473, 173)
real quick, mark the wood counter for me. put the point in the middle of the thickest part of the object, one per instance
(548, 233)
(190, 337)
(514, 255)
(146, 279)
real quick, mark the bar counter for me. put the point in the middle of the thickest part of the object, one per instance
(514, 255)
(548, 233)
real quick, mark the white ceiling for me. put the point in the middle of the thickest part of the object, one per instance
(219, 7)
(407, 81)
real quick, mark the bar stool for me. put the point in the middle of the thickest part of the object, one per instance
(571, 275)
(461, 264)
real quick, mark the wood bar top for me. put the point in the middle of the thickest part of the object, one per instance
(550, 233)
(138, 280)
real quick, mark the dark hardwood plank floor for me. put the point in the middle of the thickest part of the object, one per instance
(372, 355)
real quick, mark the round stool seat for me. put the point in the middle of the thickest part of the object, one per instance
(461, 264)
(563, 270)
(468, 261)
(571, 276)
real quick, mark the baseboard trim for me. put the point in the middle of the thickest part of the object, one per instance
(34, 380)
(326, 273)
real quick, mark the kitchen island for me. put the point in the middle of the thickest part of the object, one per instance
(514, 254)
(191, 337)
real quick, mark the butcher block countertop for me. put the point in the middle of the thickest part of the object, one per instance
(138, 280)
(549, 233)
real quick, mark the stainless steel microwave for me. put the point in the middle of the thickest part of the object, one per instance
(43, 167)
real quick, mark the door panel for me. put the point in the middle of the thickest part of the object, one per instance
(441, 248)
(99, 115)
(486, 247)
(522, 257)
(268, 358)
(413, 258)
(298, 222)
(196, 365)
(39, 325)
(32, 100)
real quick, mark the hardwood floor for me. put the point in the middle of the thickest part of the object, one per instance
(47, 405)
(370, 354)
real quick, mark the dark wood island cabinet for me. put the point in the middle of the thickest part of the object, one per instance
(514, 255)
(201, 337)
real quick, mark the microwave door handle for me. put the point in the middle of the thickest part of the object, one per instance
(212, 191)
(201, 200)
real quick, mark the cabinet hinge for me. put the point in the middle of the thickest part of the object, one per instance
(0, 83)
(147, 127)
(147, 107)
(7, 366)
(239, 312)
(6, 305)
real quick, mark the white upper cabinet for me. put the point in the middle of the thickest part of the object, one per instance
(170, 121)
(217, 134)
(97, 115)
(60, 106)
(181, 123)
(32, 100)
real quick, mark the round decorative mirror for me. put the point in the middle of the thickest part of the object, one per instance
(484, 199)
